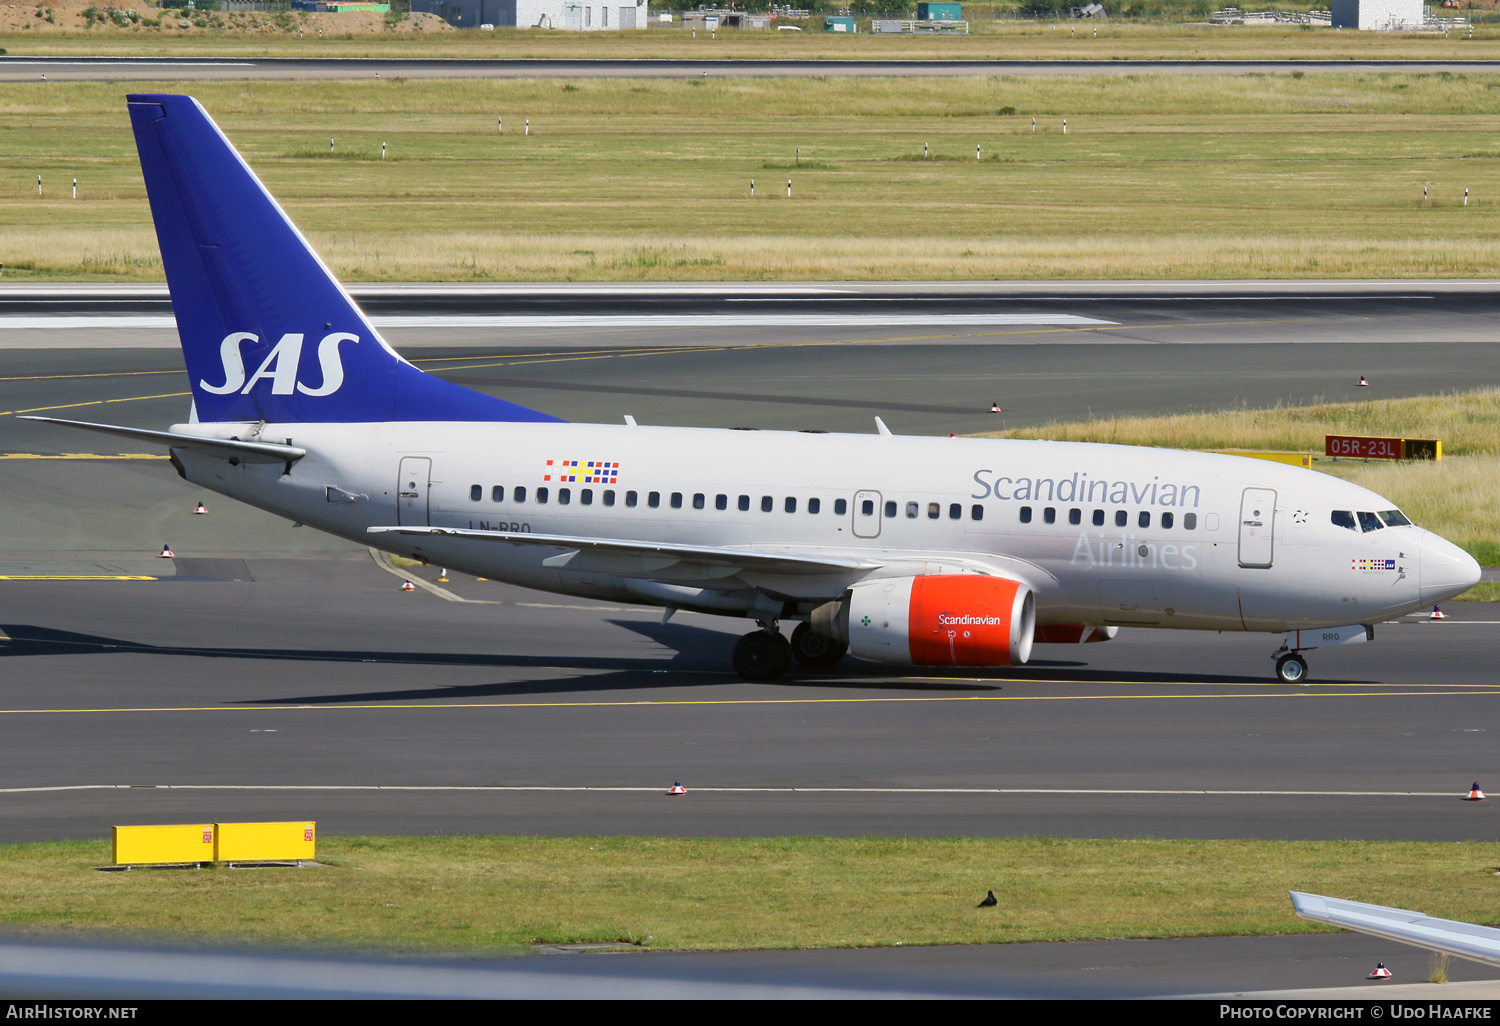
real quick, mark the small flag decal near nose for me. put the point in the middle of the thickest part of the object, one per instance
(581, 472)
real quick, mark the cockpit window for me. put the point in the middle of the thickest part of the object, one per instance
(1394, 518)
(1369, 522)
(1344, 518)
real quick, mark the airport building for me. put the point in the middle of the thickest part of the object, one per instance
(574, 15)
(1377, 15)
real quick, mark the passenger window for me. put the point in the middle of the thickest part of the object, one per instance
(955, 511)
(1075, 517)
(1121, 518)
(497, 493)
(653, 499)
(976, 512)
(721, 502)
(1049, 515)
(840, 507)
(630, 499)
(1025, 514)
(1394, 518)
(698, 500)
(890, 510)
(911, 511)
(541, 496)
(791, 504)
(564, 496)
(1166, 521)
(814, 505)
(1144, 520)
(586, 496)
(1190, 521)
(766, 502)
(609, 496)
(867, 507)
(744, 503)
(676, 500)
(1343, 518)
(519, 495)
(933, 511)
(1369, 522)
(476, 492)
(1098, 518)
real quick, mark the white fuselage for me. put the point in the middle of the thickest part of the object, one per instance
(1207, 541)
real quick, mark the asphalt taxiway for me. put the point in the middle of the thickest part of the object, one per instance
(260, 686)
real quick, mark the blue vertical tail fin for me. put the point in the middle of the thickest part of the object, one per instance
(267, 332)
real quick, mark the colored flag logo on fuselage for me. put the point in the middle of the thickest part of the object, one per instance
(581, 472)
(1372, 564)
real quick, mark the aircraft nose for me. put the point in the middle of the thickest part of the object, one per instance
(1446, 569)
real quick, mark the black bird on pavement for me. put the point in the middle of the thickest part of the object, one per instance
(989, 901)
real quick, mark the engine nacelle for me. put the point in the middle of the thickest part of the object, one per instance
(935, 620)
(1073, 634)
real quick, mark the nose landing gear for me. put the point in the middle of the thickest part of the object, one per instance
(1291, 667)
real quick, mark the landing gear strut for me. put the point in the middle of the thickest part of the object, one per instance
(1291, 668)
(762, 655)
(815, 650)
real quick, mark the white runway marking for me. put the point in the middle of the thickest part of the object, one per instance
(532, 321)
(662, 788)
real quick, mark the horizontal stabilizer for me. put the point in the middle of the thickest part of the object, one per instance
(228, 448)
(1466, 940)
(707, 555)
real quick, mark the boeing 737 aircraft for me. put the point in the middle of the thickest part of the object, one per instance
(903, 550)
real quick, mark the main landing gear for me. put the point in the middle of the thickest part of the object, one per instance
(765, 655)
(1291, 667)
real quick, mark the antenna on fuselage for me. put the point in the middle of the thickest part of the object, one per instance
(880, 426)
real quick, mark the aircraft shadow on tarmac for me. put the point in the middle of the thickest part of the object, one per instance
(700, 657)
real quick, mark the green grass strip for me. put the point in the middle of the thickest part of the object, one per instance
(485, 894)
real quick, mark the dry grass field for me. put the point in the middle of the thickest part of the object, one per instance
(483, 894)
(1157, 177)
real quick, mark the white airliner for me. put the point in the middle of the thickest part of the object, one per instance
(903, 550)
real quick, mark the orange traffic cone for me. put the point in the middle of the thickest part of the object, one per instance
(166, 552)
(1475, 794)
(1362, 382)
(443, 576)
(200, 508)
(1380, 973)
(408, 586)
(677, 789)
(1437, 614)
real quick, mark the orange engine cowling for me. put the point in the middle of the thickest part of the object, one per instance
(941, 620)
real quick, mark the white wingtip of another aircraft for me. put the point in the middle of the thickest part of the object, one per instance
(1466, 940)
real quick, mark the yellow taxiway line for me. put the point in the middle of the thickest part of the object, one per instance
(417, 706)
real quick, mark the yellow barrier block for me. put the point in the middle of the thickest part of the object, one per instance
(266, 842)
(146, 845)
(1296, 459)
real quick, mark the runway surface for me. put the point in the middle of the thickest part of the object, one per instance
(22, 68)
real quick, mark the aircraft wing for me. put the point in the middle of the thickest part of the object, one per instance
(1466, 940)
(227, 448)
(606, 555)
